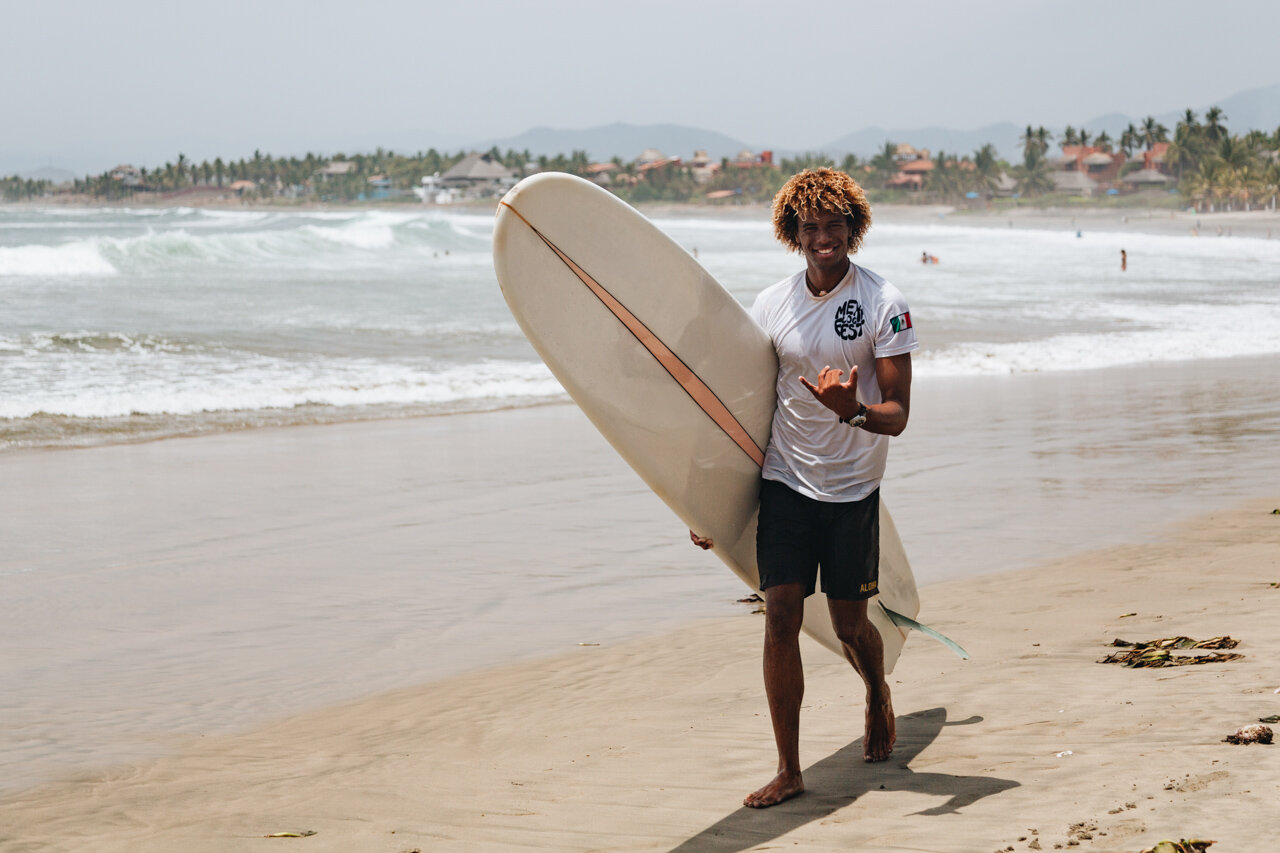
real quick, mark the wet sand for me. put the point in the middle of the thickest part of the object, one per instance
(650, 744)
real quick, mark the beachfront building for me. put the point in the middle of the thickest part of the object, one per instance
(432, 192)
(1100, 166)
(650, 155)
(1146, 179)
(704, 169)
(1005, 186)
(478, 176)
(337, 168)
(601, 174)
(1073, 182)
(1153, 158)
(904, 154)
(127, 175)
(643, 167)
(913, 175)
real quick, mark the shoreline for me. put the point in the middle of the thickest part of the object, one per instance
(1260, 223)
(649, 744)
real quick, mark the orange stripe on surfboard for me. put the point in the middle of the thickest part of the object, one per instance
(680, 372)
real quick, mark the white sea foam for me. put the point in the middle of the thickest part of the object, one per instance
(80, 258)
(139, 383)
(1148, 335)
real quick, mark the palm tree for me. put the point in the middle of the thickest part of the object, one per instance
(1103, 142)
(1153, 132)
(1185, 149)
(1235, 153)
(1032, 144)
(945, 179)
(1034, 177)
(1069, 136)
(1084, 138)
(1129, 140)
(1042, 140)
(1214, 128)
(884, 163)
(986, 164)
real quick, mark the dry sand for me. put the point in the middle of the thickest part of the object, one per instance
(650, 744)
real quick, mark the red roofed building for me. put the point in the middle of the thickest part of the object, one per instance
(1088, 160)
(911, 175)
(1154, 159)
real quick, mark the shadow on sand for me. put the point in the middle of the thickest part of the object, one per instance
(840, 778)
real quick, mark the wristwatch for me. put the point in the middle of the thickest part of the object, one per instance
(858, 419)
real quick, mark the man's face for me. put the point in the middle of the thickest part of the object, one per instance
(824, 240)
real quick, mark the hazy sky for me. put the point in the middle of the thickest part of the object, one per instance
(88, 84)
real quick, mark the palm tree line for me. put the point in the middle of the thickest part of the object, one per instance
(15, 188)
(1216, 168)
(272, 175)
(1211, 166)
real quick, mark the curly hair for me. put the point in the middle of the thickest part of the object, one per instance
(814, 191)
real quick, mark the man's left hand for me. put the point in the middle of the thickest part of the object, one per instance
(839, 397)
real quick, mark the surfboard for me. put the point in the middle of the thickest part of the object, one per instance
(668, 366)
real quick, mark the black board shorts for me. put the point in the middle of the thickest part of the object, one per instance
(798, 535)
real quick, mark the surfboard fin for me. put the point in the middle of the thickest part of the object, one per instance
(907, 622)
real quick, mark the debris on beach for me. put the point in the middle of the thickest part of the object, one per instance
(1275, 512)
(1082, 831)
(1251, 734)
(753, 598)
(1274, 718)
(1157, 652)
(1193, 845)
(1180, 643)
(306, 833)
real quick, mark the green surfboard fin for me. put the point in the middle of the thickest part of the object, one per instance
(907, 622)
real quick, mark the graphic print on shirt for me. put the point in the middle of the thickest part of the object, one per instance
(849, 320)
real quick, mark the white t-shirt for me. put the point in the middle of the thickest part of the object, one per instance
(863, 318)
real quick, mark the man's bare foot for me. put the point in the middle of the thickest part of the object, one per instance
(784, 786)
(881, 732)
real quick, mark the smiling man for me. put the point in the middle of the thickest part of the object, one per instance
(844, 340)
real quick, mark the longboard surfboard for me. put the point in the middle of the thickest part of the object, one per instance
(668, 366)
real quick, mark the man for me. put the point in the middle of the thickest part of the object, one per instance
(820, 499)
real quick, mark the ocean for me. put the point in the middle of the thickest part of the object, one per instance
(122, 324)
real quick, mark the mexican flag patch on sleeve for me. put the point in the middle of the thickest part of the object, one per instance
(902, 321)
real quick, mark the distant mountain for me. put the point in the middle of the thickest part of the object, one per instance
(49, 173)
(870, 141)
(1253, 109)
(1256, 109)
(621, 140)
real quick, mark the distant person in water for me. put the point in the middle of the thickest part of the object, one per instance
(820, 495)
(1124, 261)
(926, 258)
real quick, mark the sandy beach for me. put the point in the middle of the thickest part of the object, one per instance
(238, 672)
(650, 744)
